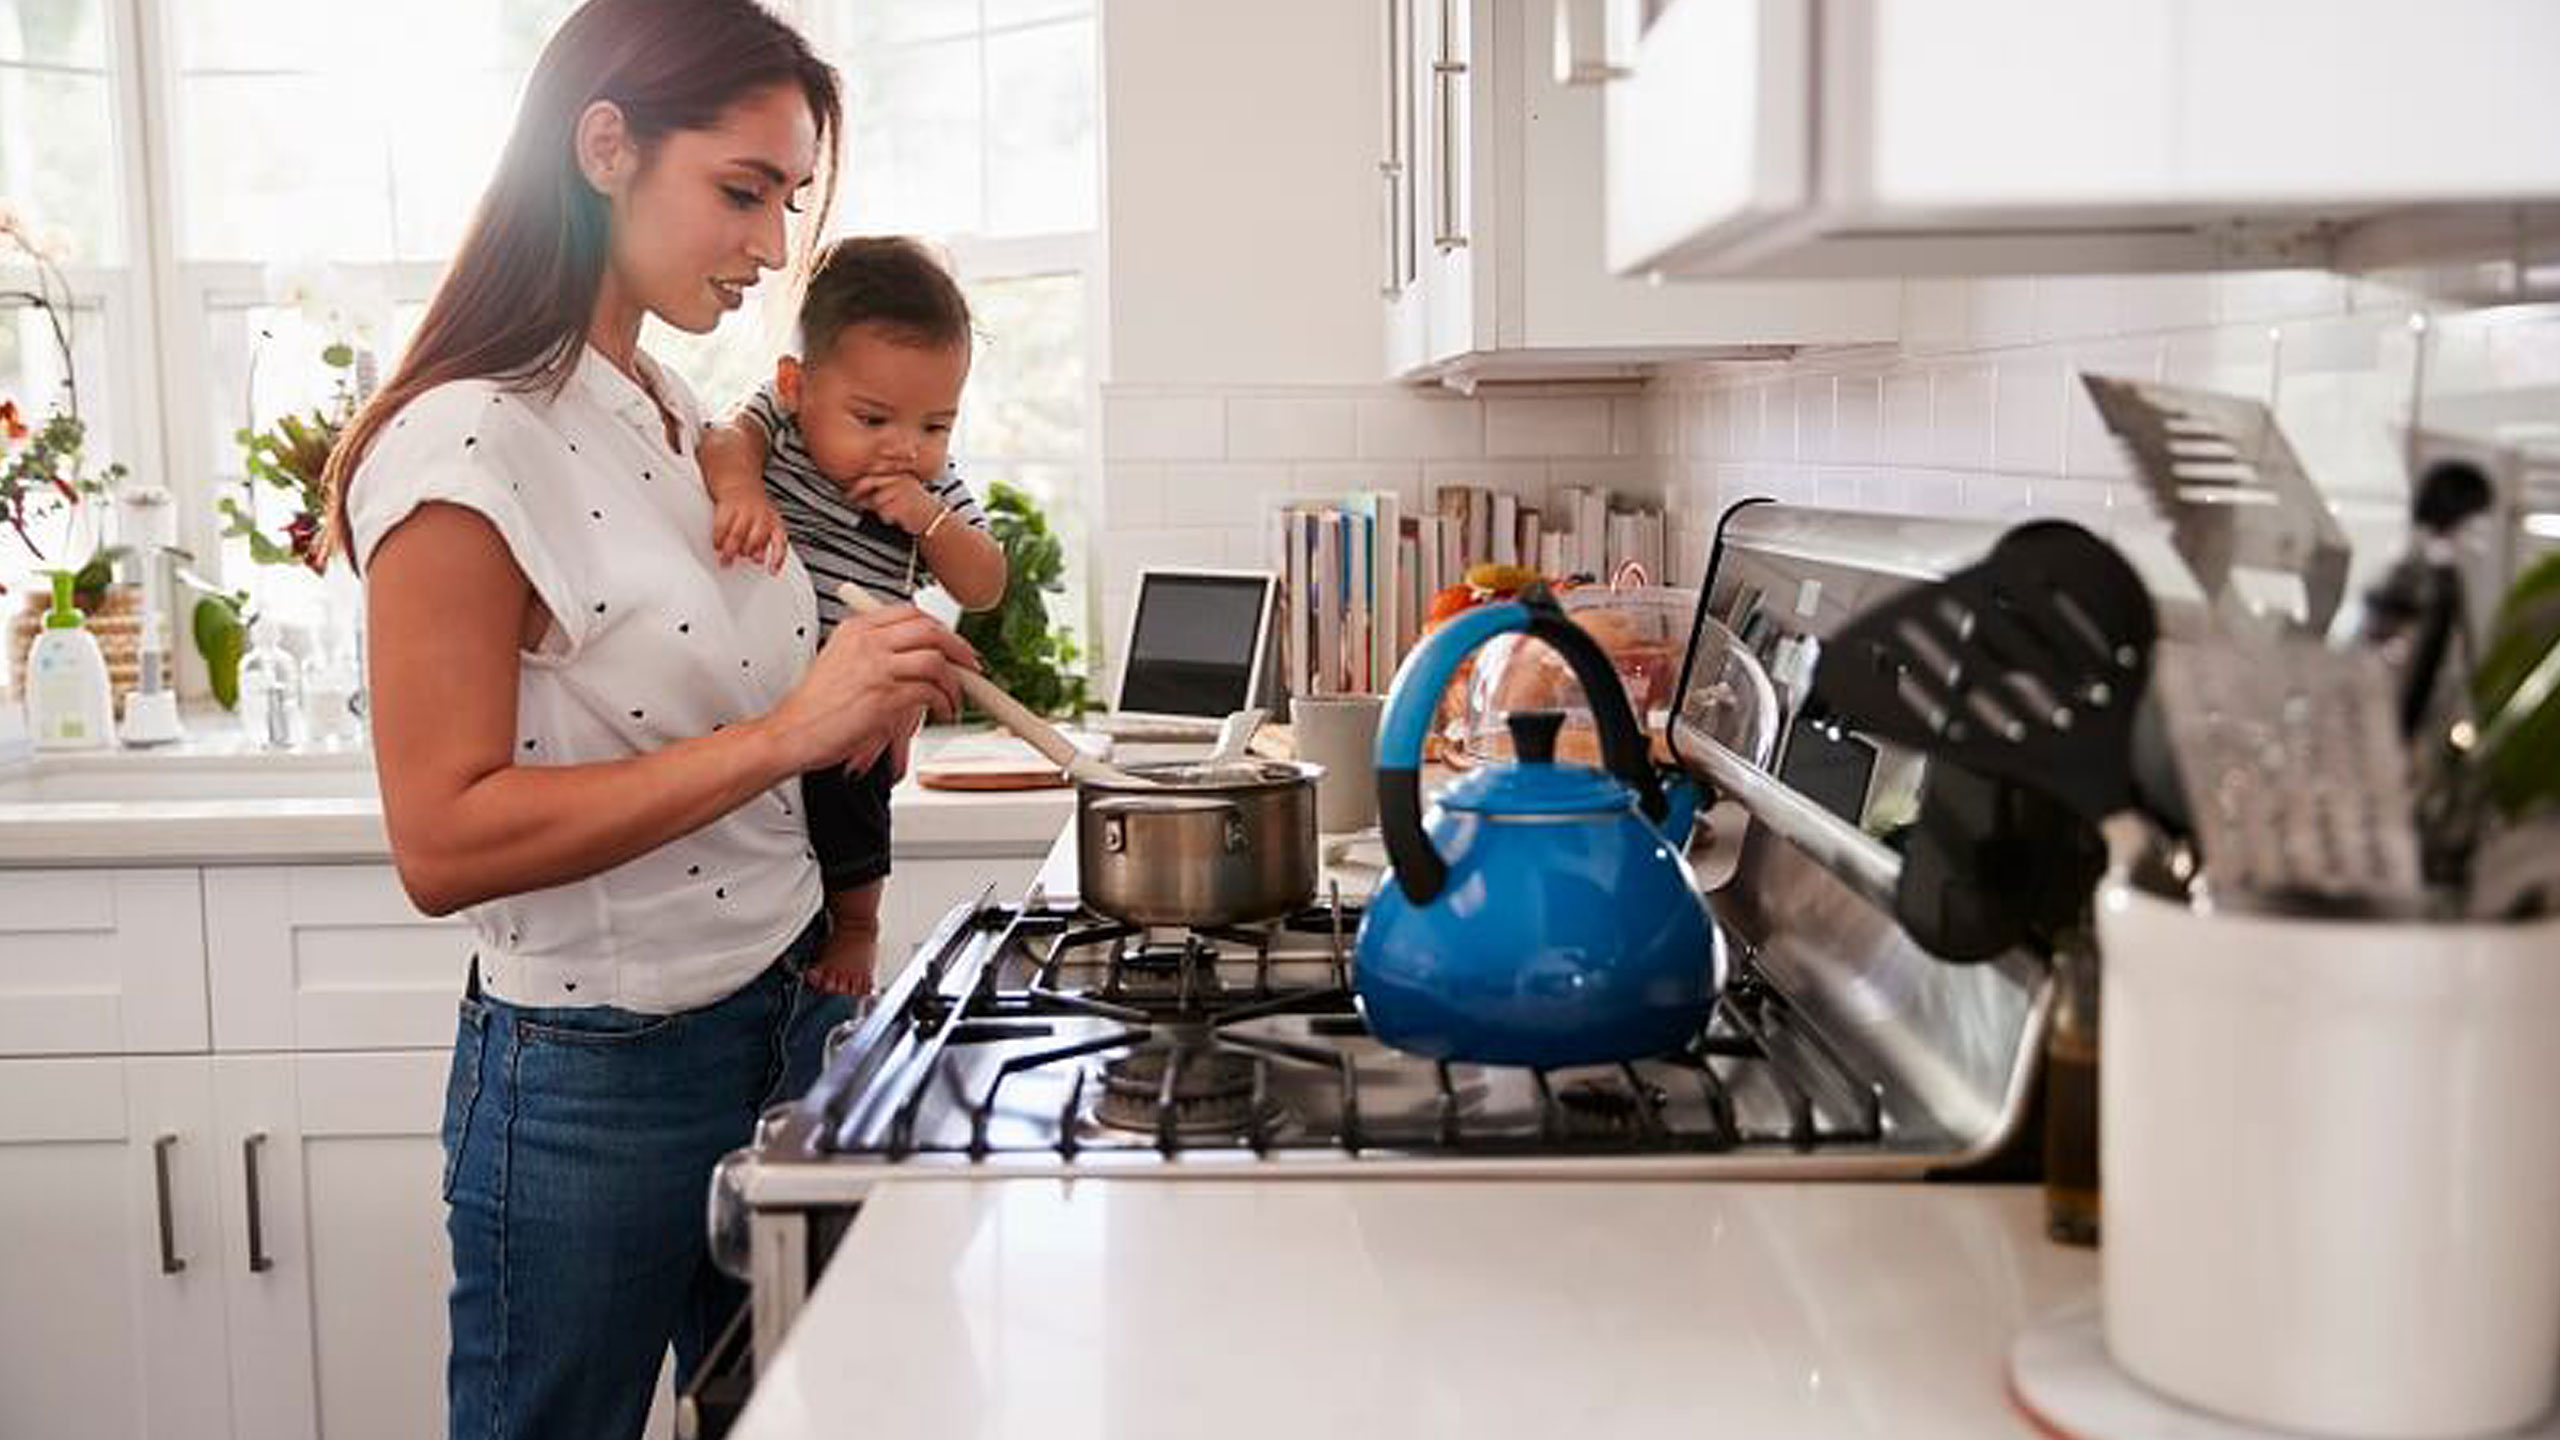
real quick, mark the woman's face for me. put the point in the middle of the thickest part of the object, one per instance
(702, 218)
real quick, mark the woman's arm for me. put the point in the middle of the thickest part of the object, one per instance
(447, 612)
(967, 561)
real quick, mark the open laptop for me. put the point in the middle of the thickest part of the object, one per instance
(1197, 649)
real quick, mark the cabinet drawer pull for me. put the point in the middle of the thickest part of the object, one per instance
(259, 1260)
(170, 1261)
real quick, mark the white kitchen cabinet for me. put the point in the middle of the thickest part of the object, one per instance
(1842, 137)
(1498, 223)
(111, 1277)
(328, 957)
(101, 962)
(332, 1206)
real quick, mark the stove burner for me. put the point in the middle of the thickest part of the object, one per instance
(1212, 1091)
(1147, 969)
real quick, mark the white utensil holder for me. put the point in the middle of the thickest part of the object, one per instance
(2330, 1154)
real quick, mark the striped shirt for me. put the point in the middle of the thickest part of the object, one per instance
(836, 540)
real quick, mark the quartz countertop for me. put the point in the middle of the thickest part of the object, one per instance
(215, 800)
(1135, 1308)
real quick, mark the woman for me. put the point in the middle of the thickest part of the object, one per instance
(588, 732)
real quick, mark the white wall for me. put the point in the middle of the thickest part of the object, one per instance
(1241, 190)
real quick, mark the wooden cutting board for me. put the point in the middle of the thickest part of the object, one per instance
(996, 761)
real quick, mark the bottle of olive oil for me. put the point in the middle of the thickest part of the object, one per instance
(2071, 1092)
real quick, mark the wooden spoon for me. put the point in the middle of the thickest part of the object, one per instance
(1015, 716)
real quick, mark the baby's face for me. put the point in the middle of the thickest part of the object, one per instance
(878, 403)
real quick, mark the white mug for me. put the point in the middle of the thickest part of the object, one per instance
(1340, 733)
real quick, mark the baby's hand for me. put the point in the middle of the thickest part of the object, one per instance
(897, 497)
(748, 527)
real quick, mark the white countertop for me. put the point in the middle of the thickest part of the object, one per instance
(1055, 1309)
(214, 800)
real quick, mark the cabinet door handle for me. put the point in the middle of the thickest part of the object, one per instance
(1446, 72)
(259, 1260)
(1392, 285)
(1446, 234)
(170, 1261)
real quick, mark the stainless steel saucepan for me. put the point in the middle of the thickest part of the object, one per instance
(1221, 844)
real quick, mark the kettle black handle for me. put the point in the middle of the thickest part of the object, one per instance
(1419, 870)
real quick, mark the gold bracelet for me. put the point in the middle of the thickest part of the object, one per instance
(927, 533)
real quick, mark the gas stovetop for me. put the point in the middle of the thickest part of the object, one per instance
(1043, 1039)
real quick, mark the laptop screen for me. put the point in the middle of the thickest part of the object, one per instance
(1193, 646)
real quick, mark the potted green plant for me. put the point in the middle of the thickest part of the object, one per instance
(1037, 663)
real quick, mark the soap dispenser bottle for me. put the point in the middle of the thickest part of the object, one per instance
(270, 691)
(69, 703)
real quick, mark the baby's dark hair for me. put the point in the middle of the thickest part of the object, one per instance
(886, 280)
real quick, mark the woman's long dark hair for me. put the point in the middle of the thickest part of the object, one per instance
(518, 298)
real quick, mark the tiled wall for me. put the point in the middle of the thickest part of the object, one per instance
(1980, 412)
(1189, 473)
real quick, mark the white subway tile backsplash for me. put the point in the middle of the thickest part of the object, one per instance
(1936, 315)
(1997, 497)
(2153, 303)
(1163, 427)
(1343, 477)
(1222, 494)
(1133, 492)
(1524, 479)
(1630, 478)
(1420, 427)
(1267, 427)
(2027, 425)
(2078, 307)
(2259, 295)
(2526, 352)
(1744, 416)
(2234, 359)
(1903, 431)
(2087, 503)
(1636, 426)
(1963, 399)
(1857, 411)
(1884, 488)
(1546, 425)
(1934, 492)
(1812, 398)
(2001, 312)
(1838, 487)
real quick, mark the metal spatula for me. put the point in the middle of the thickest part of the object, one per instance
(2027, 666)
(2295, 774)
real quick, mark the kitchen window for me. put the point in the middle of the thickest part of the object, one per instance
(65, 121)
(308, 145)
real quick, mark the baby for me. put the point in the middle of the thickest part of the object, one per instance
(844, 457)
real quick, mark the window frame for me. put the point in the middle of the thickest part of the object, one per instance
(158, 307)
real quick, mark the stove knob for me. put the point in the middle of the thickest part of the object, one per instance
(730, 1218)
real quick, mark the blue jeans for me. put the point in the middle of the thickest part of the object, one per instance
(579, 1144)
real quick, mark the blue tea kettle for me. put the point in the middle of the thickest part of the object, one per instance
(1543, 914)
